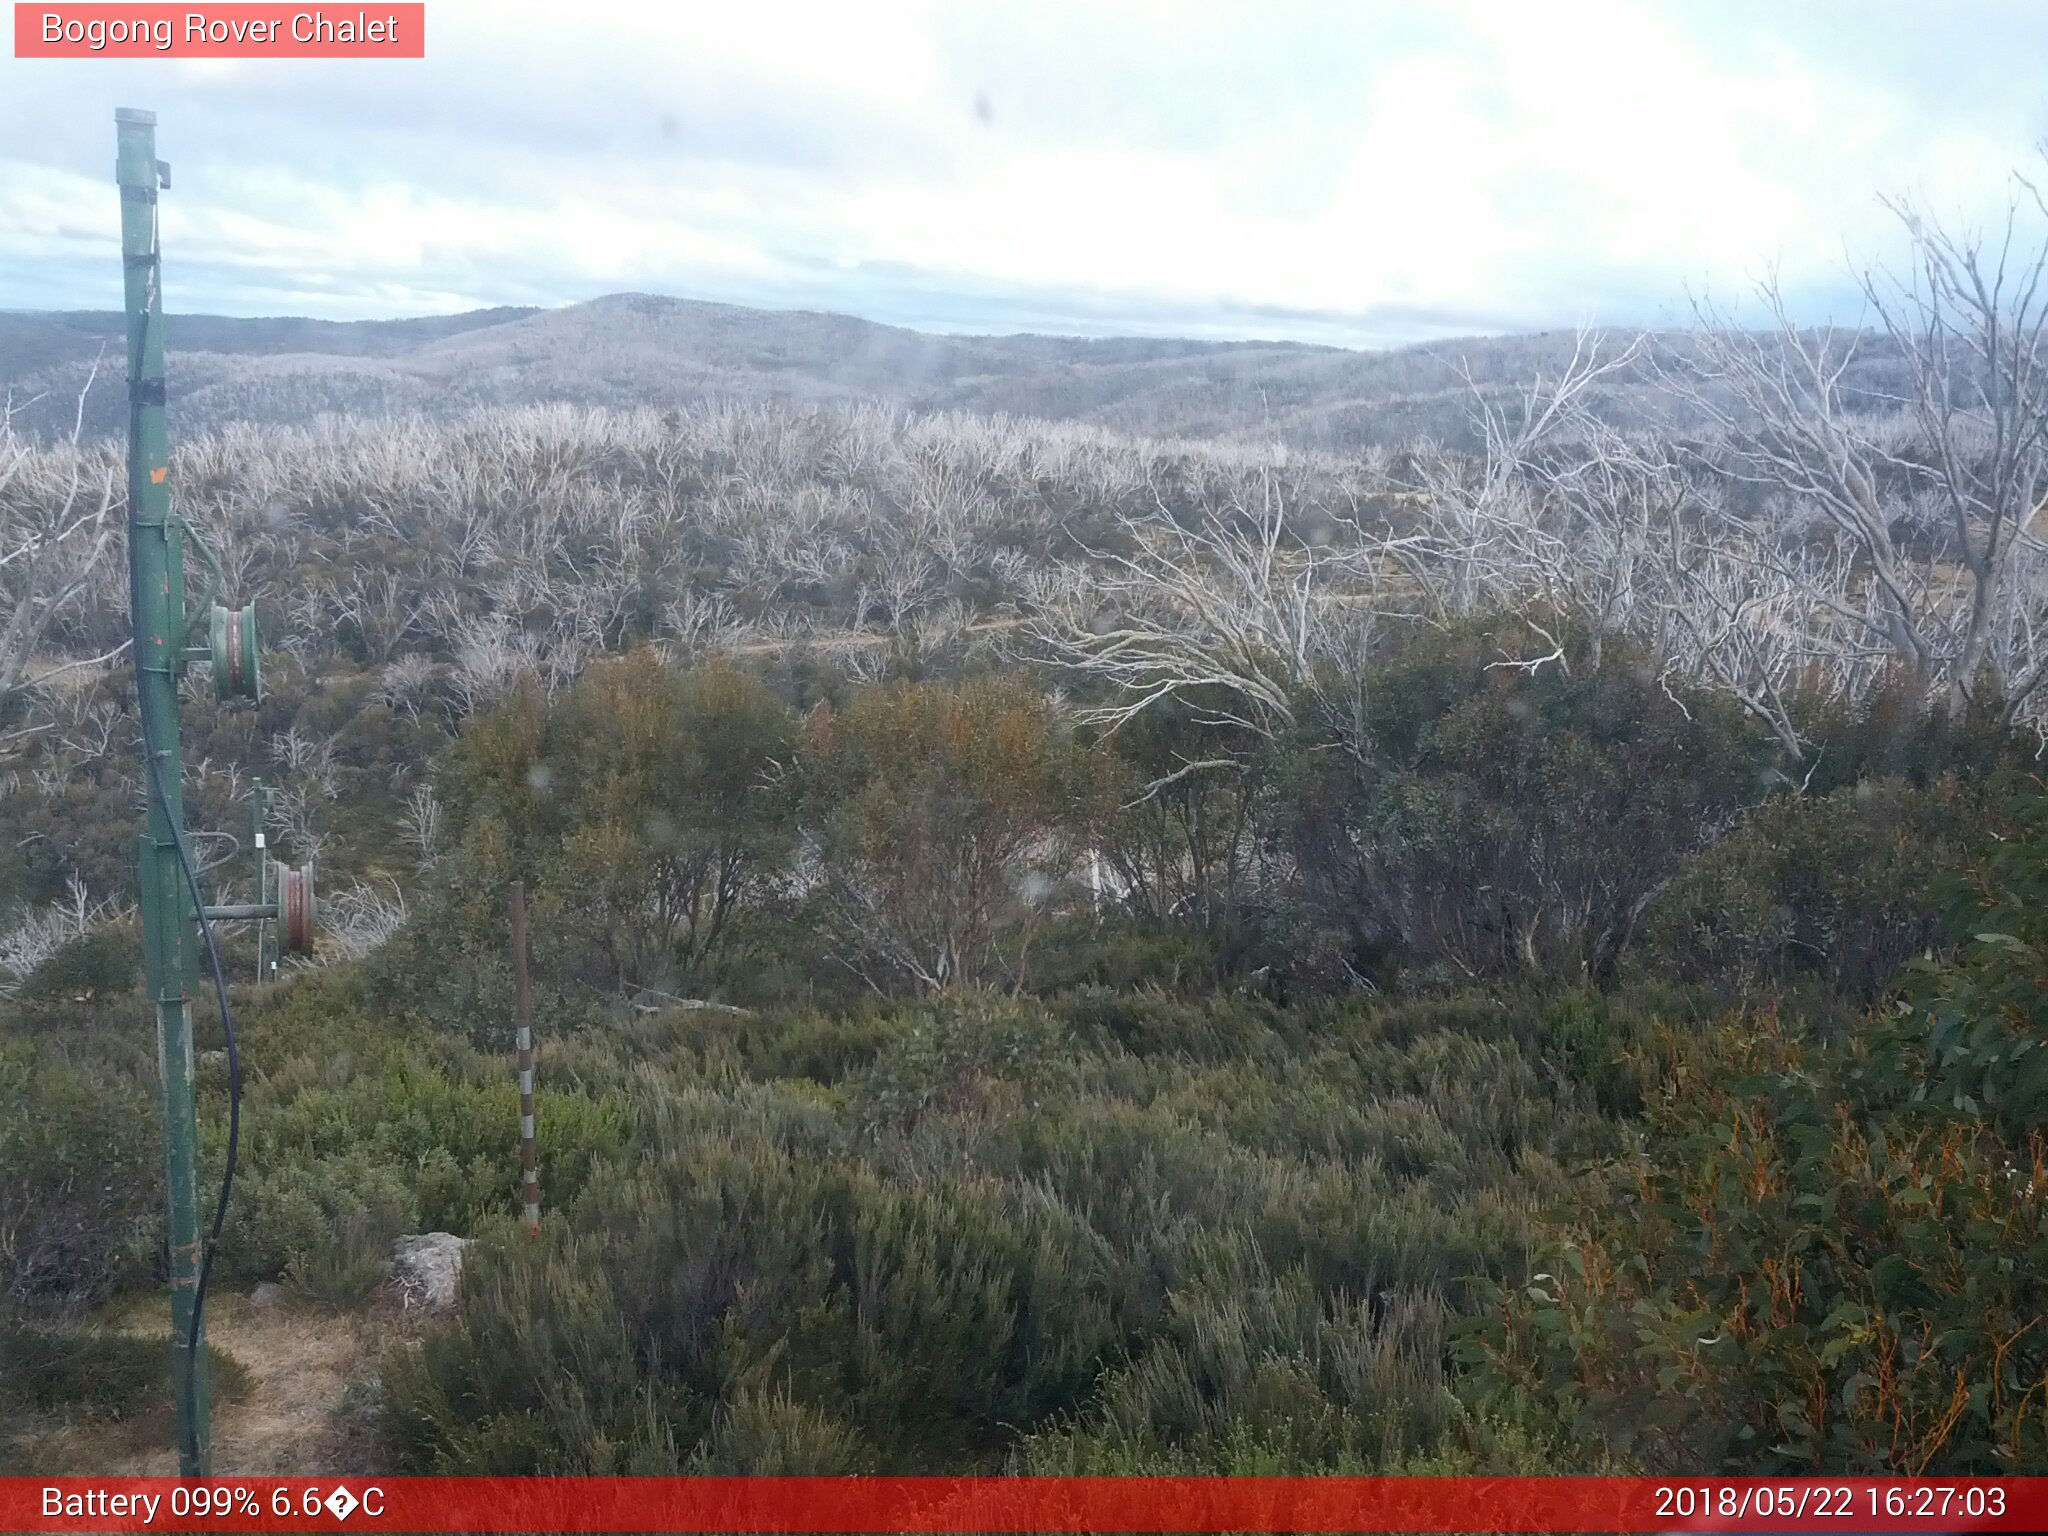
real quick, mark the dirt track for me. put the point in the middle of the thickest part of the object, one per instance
(298, 1415)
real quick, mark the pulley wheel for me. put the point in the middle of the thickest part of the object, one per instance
(236, 671)
(295, 909)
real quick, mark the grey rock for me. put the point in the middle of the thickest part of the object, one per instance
(426, 1270)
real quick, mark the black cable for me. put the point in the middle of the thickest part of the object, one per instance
(227, 1019)
(185, 861)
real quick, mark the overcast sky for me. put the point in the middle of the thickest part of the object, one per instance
(1356, 172)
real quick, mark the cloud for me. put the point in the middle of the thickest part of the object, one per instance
(1322, 171)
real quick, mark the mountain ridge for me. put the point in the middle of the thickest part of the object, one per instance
(636, 348)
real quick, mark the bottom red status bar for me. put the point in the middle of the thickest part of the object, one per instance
(1025, 1504)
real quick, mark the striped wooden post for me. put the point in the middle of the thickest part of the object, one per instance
(522, 1009)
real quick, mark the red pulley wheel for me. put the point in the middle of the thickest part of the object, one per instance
(295, 909)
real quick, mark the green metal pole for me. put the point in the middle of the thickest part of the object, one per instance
(266, 939)
(156, 571)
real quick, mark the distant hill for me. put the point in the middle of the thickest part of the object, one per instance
(75, 335)
(644, 349)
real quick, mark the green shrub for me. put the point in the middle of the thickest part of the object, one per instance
(1616, 1043)
(1787, 1281)
(438, 1118)
(1121, 955)
(648, 810)
(967, 1055)
(1824, 1257)
(948, 819)
(449, 966)
(538, 1376)
(720, 1270)
(781, 1043)
(1177, 821)
(327, 1226)
(1836, 887)
(989, 1231)
(1892, 734)
(83, 1178)
(1254, 1356)
(1985, 1011)
(1150, 1022)
(1506, 821)
(771, 1434)
(355, 1132)
(91, 1376)
(676, 813)
(104, 962)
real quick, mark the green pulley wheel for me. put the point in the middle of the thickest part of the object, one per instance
(236, 671)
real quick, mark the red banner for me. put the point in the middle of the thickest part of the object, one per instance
(941, 1504)
(236, 31)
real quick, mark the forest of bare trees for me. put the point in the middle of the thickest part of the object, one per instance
(1805, 533)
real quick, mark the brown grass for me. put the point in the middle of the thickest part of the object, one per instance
(301, 1413)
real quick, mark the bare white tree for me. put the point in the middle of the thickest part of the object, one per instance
(380, 610)
(1499, 523)
(299, 819)
(34, 936)
(1924, 448)
(1243, 615)
(491, 657)
(57, 528)
(307, 758)
(405, 684)
(360, 919)
(697, 624)
(420, 825)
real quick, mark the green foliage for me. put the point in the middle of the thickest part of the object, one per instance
(1509, 820)
(94, 1376)
(1987, 1011)
(1250, 1357)
(771, 1434)
(1179, 824)
(448, 966)
(1206, 1166)
(948, 820)
(1614, 1042)
(357, 1128)
(780, 1044)
(1779, 1283)
(1111, 951)
(83, 1168)
(672, 817)
(1892, 734)
(1824, 1258)
(970, 1053)
(327, 1226)
(1836, 887)
(991, 1232)
(722, 1267)
(1204, 1029)
(106, 961)
(645, 808)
